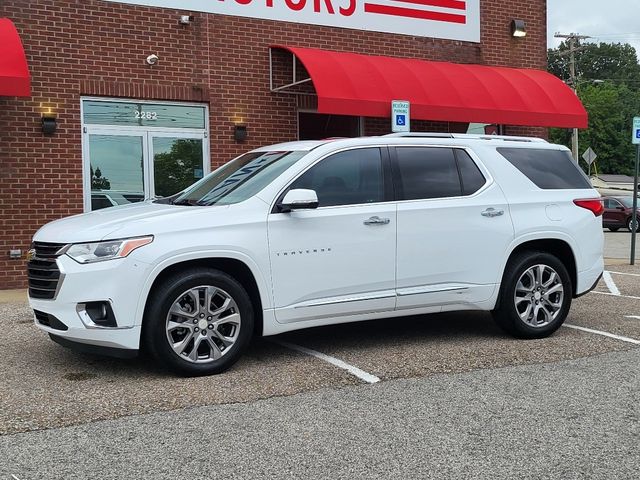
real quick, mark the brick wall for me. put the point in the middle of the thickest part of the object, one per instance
(92, 47)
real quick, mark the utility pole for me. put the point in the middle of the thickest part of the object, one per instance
(572, 40)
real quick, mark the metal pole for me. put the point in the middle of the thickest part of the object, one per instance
(634, 221)
(574, 83)
(572, 44)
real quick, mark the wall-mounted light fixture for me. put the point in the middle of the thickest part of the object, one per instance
(240, 133)
(185, 19)
(518, 28)
(49, 123)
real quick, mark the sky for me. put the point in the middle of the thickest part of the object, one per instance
(611, 21)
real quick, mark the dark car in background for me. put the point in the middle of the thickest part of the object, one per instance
(617, 213)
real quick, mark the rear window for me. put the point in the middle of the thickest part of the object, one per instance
(548, 169)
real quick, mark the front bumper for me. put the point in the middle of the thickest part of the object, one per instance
(118, 282)
(94, 349)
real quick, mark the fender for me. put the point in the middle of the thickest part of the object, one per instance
(263, 288)
(543, 235)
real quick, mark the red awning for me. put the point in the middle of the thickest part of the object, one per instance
(353, 84)
(14, 72)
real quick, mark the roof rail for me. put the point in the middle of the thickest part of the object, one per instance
(461, 136)
(504, 138)
(420, 134)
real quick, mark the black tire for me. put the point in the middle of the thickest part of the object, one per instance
(630, 221)
(154, 333)
(506, 314)
(614, 229)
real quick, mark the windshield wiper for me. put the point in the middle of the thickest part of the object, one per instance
(187, 201)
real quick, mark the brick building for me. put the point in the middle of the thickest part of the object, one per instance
(146, 97)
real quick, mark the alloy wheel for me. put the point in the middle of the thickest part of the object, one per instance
(539, 295)
(203, 324)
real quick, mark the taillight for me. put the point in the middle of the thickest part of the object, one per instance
(593, 204)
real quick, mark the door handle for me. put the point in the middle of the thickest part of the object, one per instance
(375, 220)
(492, 212)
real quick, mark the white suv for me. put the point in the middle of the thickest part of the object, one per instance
(314, 233)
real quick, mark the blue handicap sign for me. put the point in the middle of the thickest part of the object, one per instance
(637, 133)
(402, 120)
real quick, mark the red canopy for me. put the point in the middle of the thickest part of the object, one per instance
(353, 84)
(14, 72)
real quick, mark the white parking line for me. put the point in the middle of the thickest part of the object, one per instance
(611, 285)
(636, 317)
(612, 295)
(628, 274)
(604, 334)
(361, 374)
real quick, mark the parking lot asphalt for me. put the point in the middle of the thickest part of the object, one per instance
(50, 394)
(576, 419)
(45, 385)
(618, 245)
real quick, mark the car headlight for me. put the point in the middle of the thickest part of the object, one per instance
(107, 250)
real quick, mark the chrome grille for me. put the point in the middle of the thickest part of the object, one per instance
(42, 270)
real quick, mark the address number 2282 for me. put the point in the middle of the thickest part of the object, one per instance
(146, 115)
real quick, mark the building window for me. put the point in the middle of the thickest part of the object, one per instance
(134, 150)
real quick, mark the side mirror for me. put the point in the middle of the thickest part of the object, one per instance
(620, 208)
(298, 199)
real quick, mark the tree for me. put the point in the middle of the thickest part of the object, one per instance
(98, 182)
(611, 104)
(180, 167)
(612, 62)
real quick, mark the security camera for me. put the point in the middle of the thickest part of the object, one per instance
(152, 59)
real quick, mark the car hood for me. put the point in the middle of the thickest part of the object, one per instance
(143, 218)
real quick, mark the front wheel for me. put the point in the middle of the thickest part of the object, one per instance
(630, 224)
(614, 229)
(535, 296)
(198, 322)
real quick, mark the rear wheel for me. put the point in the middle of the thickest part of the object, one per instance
(199, 322)
(535, 295)
(630, 224)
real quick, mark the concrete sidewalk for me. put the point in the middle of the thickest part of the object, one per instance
(13, 296)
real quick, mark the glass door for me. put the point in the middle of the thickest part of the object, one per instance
(177, 161)
(135, 150)
(117, 168)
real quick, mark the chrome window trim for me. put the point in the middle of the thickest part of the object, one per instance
(489, 180)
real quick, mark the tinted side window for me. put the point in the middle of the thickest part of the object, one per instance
(427, 172)
(548, 169)
(346, 178)
(470, 174)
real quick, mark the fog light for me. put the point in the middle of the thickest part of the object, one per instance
(97, 314)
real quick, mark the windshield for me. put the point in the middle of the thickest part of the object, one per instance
(239, 179)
